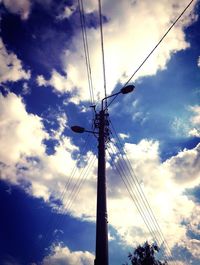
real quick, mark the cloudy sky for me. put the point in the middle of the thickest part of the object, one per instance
(48, 173)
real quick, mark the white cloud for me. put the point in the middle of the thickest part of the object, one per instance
(41, 81)
(130, 33)
(196, 118)
(63, 256)
(195, 121)
(20, 7)
(20, 133)
(10, 66)
(68, 11)
(124, 136)
(183, 126)
(180, 127)
(198, 61)
(194, 248)
(26, 89)
(22, 152)
(194, 132)
(62, 122)
(192, 244)
(57, 81)
(164, 194)
(185, 167)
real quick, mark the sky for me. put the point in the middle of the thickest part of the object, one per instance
(48, 173)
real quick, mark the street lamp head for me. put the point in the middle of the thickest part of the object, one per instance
(127, 89)
(78, 129)
(124, 90)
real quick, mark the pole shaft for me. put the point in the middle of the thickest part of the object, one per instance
(101, 222)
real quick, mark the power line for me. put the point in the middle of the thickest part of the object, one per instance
(74, 170)
(86, 50)
(141, 207)
(142, 196)
(156, 46)
(120, 169)
(102, 48)
(75, 189)
(145, 201)
(53, 223)
(135, 179)
(79, 183)
(137, 184)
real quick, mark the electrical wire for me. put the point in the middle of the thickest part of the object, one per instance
(141, 193)
(102, 50)
(75, 189)
(70, 179)
(120, 169)
(86, 50)
(156, 46)
(143, 211)
(137, 200)
(53, 223)
(135, 179)
(144, 199)
(74, 170)
(79, 183)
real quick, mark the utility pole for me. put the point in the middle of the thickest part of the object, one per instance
(102, 125)
(101, 212)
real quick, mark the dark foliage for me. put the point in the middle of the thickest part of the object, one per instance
(145, 255)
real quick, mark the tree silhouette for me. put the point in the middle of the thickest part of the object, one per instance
(145, 255)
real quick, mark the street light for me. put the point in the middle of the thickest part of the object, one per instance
(78, 129)
(124, 90)
(102, 124)
(127, 89)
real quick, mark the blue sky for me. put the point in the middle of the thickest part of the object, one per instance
(45, 217)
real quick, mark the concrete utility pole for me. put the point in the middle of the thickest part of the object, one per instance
(101, 216)
(101, 123)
